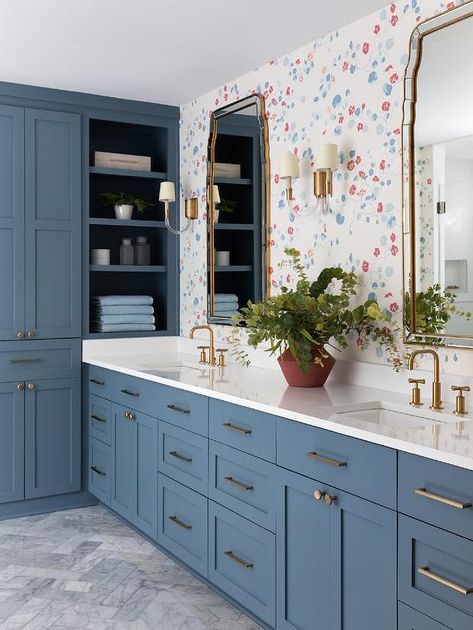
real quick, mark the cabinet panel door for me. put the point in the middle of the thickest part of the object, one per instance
(53, 218)
(303, 555)
(363, 564)
(52, 438)
(11, 443)
(12, 222)
(123, 496)
(146, 462)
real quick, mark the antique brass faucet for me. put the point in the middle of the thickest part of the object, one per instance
(436, 385)
(211, 348)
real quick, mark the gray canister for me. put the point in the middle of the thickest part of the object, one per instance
(142, 251)
(126, 252)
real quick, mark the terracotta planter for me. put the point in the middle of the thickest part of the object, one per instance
(315, 377)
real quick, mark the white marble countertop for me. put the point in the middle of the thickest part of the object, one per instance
(440, 437)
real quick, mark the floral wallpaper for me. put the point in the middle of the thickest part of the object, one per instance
(346, 88)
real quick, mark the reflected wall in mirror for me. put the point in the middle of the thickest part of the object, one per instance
(238, 182)
(438, 179)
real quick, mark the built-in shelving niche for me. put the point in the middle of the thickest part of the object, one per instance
(159, 279)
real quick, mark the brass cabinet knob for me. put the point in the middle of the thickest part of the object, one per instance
(20, 334)
(416, 400)
(460, 403)
(31, 334)
(20, 387)
(318, 494)
(129, 415)
(221, 357)
(31, 386)
(329, 499)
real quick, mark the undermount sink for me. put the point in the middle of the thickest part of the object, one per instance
(173, 369)
(392, 414)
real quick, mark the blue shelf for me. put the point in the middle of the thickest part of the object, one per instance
(233, 180)
(235, 226)
(232, 268)
(133, 333)
(122, 172)
(131, 223)
(129, 268)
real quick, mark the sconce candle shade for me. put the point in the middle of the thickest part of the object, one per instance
(167, 191)
(289, 166)
(327, 157)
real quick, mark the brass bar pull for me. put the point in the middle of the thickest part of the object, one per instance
(326, 460)
(232, 427)
(102, 473)
(426, 572)
(178, 409)
(182, 458)
(178, 521)
(98, 419)
(242, 563)
(238, 484)
(95, 381)
(423, 492)
(129, 393)
(20, 361)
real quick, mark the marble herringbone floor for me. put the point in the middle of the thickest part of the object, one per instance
(86, 569)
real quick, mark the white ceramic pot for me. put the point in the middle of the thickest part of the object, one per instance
(222, 258)
(124, 212)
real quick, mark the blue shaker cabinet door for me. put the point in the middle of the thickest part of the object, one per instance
(11, 442)
(123, 477)
(146, 466)
(52, 437)
(53, 223)
(12, 217)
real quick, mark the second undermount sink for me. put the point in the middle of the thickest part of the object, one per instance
(174, 369)
(393, 414)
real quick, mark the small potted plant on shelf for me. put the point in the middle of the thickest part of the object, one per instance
(124, 204)
(300, 324)
(227, 206)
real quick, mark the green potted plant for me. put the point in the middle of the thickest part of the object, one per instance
(298, 325)
(124, 203)
(227, 206)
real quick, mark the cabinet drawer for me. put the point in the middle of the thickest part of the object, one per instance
(184, 409)
(410, 619)
(243, 483)
(364, 469)
(251, 431)
(182, 523)
(242, 561)
(99, 470)
(437, 493)
(100, 419)
(436, 573)
(40, 359)
(184, 456)
(101, 382)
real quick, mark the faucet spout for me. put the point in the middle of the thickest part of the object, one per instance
(212, 360)
(436, 385)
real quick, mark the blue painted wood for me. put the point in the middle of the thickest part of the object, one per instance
(99, 470)
(52, 438)
(242, 561)
(40, 359)
(100, 382)
(45, 505)
(12, 218)
(183, 409)
(53, 223)
(251, 431)
(100, 419)
(123, 495)
(243, 483)
(184, 456)
(12, 435)
(410, 619)
(446, 555)
(440, 479)
(146, 475)
(182, 523)
(360, 461)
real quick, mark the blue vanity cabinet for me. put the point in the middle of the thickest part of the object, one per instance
(53, 223)
(12, 435)
(410, 619)
(336, 564)
(52, 437)
(121, 499)
(12, 218)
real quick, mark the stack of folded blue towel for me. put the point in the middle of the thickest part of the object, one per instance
(122, 313)
(225, 305)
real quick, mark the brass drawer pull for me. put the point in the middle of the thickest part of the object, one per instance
(423, 492)
(20, 361)
(178, 521)
(426, 572)
(178, 409)
(326, 460)
(182, 458)
(98, 471)
(98, 419)
(129, 393)
(232, 427)
(238, 484)
(242, 563)
(95, 381)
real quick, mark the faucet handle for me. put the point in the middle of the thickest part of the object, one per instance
(416, 400)
(203, 353)
(221, 358)
(460, 405)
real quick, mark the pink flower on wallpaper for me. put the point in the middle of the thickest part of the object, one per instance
(352, 190)
(360, 126)
(365, 266)
(377, 28)
(393, 307)
(351, 165)
(358, 159)
(392, 8)
(351, 110)
(386, 106)
(366, 48)
(376, 252)
(394, 249)
(362, 174)
(382, 165)
(380, 207)
(290, 229)
(388, 295)
(393, 237)
(394, 78)
(394, 20)
(345, 66)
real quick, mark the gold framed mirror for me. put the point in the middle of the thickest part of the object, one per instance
(437, 134)
(238, 208)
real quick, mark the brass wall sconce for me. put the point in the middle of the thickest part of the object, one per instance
(167, 194)
(289, 170)
(327, 163)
